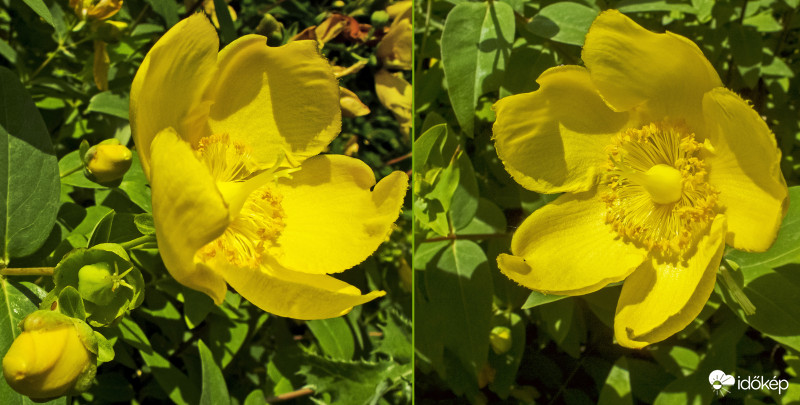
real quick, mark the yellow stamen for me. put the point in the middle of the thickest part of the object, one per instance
(253, 201)
(657, 195)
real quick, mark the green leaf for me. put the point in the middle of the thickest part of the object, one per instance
(352, 382)
(565, 22)
(136, 187)
(557, 317)
(476, 44)
(17, 300)
(459, 288)
(114, 228)
(70, 303)
(617, 389)
(464, 202)
(70, 169)
(144, 223)
(644, 6)
(488, 219)
(109, 103)
(7, 51)
(30, 190)
(536, 298)
(396, 340)
(507, 364)
(214, 389)
(41, 9)
(763, 22)
(167, 9)
(196, 307)
(227, 31)
(334, 337)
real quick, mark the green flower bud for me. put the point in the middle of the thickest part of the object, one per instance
(96, 283)
(270, 27)
(379, 18)
(50, 357)
(500, 339)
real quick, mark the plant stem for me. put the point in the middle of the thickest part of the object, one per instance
(70, 171)
(138, 242)
(27, 271)
(290, 395)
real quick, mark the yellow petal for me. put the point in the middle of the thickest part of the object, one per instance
(394, 50)
(395, 94)
(100, 66)
(275, 100)
(169, 85)
(400, 10)
(292, 294)
(552, 140)
(334, 217)
(572, 223)
(745, 169)
(351, 104)
(631, 65)
(188, 212)
(660, 298)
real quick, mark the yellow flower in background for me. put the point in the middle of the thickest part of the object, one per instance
(661, 166)
(394, 50)
(228, 140)
(395, 93)
(95, 9)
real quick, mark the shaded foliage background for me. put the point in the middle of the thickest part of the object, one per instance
(178, 346)
(481, 338)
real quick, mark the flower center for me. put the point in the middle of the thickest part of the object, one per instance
(254, 202)
(657, 193)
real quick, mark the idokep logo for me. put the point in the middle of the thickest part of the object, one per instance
(719, 380)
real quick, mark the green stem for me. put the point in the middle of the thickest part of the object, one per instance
(29, 271)
(477, 236)
(138, 242)
(70, 171)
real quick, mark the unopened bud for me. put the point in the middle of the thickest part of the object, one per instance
(96, 283)
(107, 162)
(50, 357)
(500, 339)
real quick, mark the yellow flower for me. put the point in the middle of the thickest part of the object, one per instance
(394, 50)
(49, 358)
(95, 9)
(395, 93)
(221, 138)
(661, 166)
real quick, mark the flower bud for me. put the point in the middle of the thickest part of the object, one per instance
(49, 358)
(500, 339)
(94, 9)
(96, 283)
(107, 162)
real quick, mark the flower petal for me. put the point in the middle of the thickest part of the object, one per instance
(660, 299)
(168, 87)
(745, 168)
(574, 222)
(275, 100)
(333, 221)
(188, 212)
(292, 294)
(552, 140)
(631, 65)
